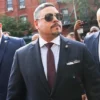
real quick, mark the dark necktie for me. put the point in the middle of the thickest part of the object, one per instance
(50, 66)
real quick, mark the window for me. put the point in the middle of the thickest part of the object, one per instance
(66, 18)
(23, 18)
(65, 11)
(42, 1)
(21, 4)
(9, 5)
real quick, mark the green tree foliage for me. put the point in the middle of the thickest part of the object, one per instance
(96, 3)
(84, 9)
(16, 27)
(81, 8)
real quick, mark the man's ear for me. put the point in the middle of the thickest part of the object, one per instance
(36, 24)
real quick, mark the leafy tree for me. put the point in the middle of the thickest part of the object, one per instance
(96, 3)
(83, 9)
(79, 8)
(16, 27)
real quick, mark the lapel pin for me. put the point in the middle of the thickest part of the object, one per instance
(5, 41)
(73, 76)
(66, 46)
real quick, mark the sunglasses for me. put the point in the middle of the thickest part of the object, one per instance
(49, 17)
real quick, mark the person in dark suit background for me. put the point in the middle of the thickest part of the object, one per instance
(52, 67)
(93, 42)
(8, 46)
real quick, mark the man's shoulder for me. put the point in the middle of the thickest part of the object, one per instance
(92, 36)
(15, 38)
(67, 40)
(73, 43)
(26, 47)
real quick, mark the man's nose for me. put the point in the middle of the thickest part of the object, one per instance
(55, 18)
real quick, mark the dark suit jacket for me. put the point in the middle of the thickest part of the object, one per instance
(92, 44)
(8, 47)
(28, 82)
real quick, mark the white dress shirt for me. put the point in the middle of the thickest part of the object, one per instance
(55, 49)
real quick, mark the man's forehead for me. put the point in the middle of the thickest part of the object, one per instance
(49, 9)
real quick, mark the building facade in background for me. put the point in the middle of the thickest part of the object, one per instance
(24, 9)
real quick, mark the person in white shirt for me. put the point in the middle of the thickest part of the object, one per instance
(93, 29)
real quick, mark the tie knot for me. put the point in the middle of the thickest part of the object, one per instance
(49, 45)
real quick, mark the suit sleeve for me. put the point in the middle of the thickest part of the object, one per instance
(91, 76)
(22, 42)
(16, 85)
(86, 40)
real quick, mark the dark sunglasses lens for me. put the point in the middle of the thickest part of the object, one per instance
(59, 16)
(49, 17)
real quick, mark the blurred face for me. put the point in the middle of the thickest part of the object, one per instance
(49, 24)
(71, 36)
(93, 30)
(5, 33)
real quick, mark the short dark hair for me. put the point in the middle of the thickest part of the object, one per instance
(40, 7)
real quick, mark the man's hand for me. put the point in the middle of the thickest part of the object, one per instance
(78, 25)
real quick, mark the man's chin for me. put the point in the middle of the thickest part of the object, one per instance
(56, 33)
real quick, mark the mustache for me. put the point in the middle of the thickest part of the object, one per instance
(56, 24)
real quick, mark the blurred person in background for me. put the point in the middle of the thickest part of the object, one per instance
(93, 29)
(6, 33)
(35, 36)
(71, 35)
(8, 46)
(93, 42)
(77, 26)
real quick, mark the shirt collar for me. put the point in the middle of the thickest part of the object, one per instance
(42, 42)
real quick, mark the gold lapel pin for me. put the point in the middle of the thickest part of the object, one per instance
(66, 46)
(5, 41)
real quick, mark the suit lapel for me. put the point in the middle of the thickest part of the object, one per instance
(40, 67)
(3, 46)
(64, 51)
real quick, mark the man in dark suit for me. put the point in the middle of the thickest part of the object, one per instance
(8, 46)
(52, 67)
(93, 42)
